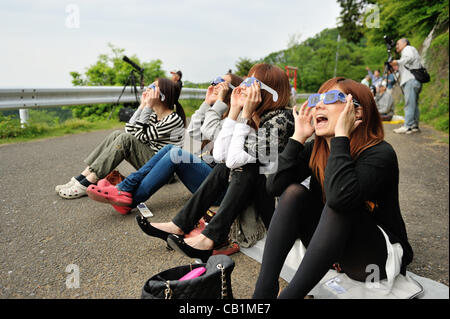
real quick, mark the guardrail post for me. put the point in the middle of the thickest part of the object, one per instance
(24, 115)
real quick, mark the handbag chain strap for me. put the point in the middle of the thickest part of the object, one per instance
(224, 282)
(168, 291)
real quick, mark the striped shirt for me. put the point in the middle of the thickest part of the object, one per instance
(158, 133)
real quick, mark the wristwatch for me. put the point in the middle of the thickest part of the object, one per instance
(242, 120)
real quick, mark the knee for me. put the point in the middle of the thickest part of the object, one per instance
(115, 133)
(123, 138)
(295, 191)
(168, 147)
(293, 199)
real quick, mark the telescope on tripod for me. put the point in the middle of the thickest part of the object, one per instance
(131, 81)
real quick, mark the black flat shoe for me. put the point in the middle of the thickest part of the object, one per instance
(177, 243)
(150, 230)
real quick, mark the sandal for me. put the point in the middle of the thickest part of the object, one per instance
(103, 183)
(75, 191)
(109, 194)
(122, 210)
(67, 185)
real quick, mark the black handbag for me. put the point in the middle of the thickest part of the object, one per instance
(420, 74)
(215, 283)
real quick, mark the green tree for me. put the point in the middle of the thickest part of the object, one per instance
(111, 70)
(243, 66)
(408, 18)
(350, 19)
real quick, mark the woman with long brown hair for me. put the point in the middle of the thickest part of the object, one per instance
(350, 214)
(258, 120)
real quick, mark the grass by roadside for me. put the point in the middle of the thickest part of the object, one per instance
(72, 126)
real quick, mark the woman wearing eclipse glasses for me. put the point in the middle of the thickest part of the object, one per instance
(153, 125)
(191, 169)
(258, 105)
(349, 218)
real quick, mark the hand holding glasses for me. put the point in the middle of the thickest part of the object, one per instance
(250, 80)
(219, 80)
(153, 87)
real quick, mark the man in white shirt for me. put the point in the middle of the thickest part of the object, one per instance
(410, 59)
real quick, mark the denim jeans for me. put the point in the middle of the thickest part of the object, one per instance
(411, 89)
(157, 172)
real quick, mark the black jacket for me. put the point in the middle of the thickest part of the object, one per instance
(350, 184)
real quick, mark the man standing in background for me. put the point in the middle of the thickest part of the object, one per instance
(410, 59)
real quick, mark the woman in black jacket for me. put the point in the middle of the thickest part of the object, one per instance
(352, 198)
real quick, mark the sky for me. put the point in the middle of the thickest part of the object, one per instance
(41, 42)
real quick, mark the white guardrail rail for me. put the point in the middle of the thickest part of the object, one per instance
(23, 99)
(27, 98)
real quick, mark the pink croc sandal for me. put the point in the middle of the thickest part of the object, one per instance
(109, 194)
(122, 210)
(103, 183)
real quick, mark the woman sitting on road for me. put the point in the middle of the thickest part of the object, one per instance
(258, 103)
(153, 125)
(192, 170)
(349, 218)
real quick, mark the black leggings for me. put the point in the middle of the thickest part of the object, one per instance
(246, 186)
(352, 239)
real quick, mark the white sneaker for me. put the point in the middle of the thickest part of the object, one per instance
(67, 185)
(402, 130)
(75, 191)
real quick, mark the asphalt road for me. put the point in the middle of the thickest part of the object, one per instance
(41, 234)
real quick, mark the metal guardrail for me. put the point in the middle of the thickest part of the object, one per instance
(23, 99)
(27, 98)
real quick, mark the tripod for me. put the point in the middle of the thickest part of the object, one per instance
(131, 80)
(387, 66)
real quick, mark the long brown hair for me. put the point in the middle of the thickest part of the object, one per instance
(369, 133)
(275, 78)
(171, 91)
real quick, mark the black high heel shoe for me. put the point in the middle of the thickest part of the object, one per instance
(177, 243)
(152, 231)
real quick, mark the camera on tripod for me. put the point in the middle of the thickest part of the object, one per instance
(390, 44)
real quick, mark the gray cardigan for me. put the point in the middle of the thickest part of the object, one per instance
(206, 122)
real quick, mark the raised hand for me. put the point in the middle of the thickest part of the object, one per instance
(253, 100)
(303, 126)
(235, 103)
(222, 89)
(152, 97)
(210, 96)
(347, 121)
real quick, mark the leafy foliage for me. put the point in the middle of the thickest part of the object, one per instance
(243, 65)
(111, 70)
(350, 20)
